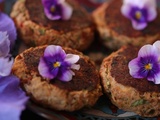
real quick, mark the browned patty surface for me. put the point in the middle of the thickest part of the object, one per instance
(80, 18)
(122, 25)
(120, 71)
(86, 78)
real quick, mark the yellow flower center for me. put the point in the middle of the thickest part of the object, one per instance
(148, 66)
(56, 64)
(138, 15)
(52, 9)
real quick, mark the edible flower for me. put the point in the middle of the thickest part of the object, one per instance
(55, 63)
(12, 98)
(7, 25)
(147, 64)
(4, 44)
(6, 65)
(140, 12)
(57, 9)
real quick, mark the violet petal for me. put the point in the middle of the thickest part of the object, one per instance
(6, 67)
(157, 45)
(147, 50)
(147, 9)
(152, 14)
(66, 76)
(66, 11)
(44, 69)
(12, 98)
(7, 25)
(53, 50)
(57, 64)
(138, 26)
(134, 68)
(4, 44)
(71, 58)
(156, 79)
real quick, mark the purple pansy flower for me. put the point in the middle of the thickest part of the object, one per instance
(57, 9)
(4, 44)
(57, 64)
(146, 65)
(12, 98)
(7, 25)
(157, 45)
(139, 12)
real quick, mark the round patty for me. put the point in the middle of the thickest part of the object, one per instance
(36, 29)
(116, 30)
(82, 91)
(127, 93)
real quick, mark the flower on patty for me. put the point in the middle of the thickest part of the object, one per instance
(57, 64)
(140, 12)
(57, 9)
(147, 64)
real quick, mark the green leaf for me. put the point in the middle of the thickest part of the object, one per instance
(41, 31)
(138, 102)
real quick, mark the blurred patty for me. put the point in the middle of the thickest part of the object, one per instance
(116, 30)
(35, 29)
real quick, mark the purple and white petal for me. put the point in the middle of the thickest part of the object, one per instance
(147, 50)
(6, 67)
(71, 58)
(7, 25)
(134, 68)
(155, 79)
(125, 10)
(13, 99)
(66, 76)
(62, 10)
(138, 26)
(140, 4)
(44, 69)
(152, 14)
(134, 3)
(10, 111)
(147, 9)
(57, 64)
(4, 44)
(75, 66)
(53, 50)
(66, 11)
(50, 16)
(149, 3)
(60, 1)
(157, 45)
